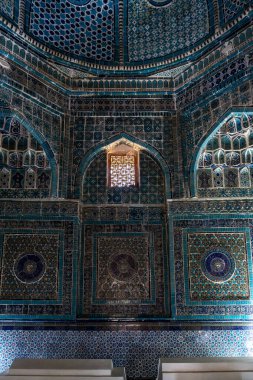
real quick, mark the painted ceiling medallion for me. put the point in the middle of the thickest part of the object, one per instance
(160, 3)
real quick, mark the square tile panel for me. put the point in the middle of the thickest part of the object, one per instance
(122, 270)
(217, 265)
(29, 267)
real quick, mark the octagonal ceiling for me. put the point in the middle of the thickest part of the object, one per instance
(124, 36)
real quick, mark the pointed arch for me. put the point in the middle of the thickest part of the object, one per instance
(228, 122)
(92, 153)
(11, 113)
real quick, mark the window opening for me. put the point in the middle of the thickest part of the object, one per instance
(123, 166)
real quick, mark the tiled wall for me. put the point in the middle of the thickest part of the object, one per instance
(190, 261)
(211, 259)
(137, 350)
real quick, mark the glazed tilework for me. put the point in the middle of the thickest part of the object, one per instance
(78, 112)
(82, 30)
(218, 78)
(70, 29)
(30, 267)
(225, 158)
(198, 123)
(7, 7)
(129, 282)
(232, 8)
(24, 165)
(34, 147)
(138, 351)
(150, 191)
(150, 215)
(38, 258)
(39, 209)
(157, 131)
(145, 23)
(123, 265)
(217, 233)
(224, 208)
(217, 266)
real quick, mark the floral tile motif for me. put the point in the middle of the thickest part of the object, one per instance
(138, 351)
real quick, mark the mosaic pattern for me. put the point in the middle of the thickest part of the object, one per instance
(151, 189)
(224, 207)
(122, 265)
(227, 158)
(7, 7)
(151, 214)
(84, 30)
(138, 351)
(203, 232)
(173, 72)
(145, 24)
(233, 8)
(218, 265)
(23, 162)
(29, 267)
(38, 268)
(155, 130)
(218, 268)
(123, 272)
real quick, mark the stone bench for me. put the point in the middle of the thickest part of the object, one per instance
(205, 369)
(67, 369)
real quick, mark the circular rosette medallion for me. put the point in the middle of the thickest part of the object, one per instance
(218, 265)
(29, 268)
(122, 267)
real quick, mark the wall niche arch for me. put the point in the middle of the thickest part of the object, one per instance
(27, 163)
(124, 270)
(223, 165)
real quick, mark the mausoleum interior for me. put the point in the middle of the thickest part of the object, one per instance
(126, 180)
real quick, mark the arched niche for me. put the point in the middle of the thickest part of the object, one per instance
(223, 163)
(98, 157)
(124, 260)
(27, 164)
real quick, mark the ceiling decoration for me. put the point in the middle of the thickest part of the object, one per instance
(123, 37)
(83, 31)
(156, 33)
